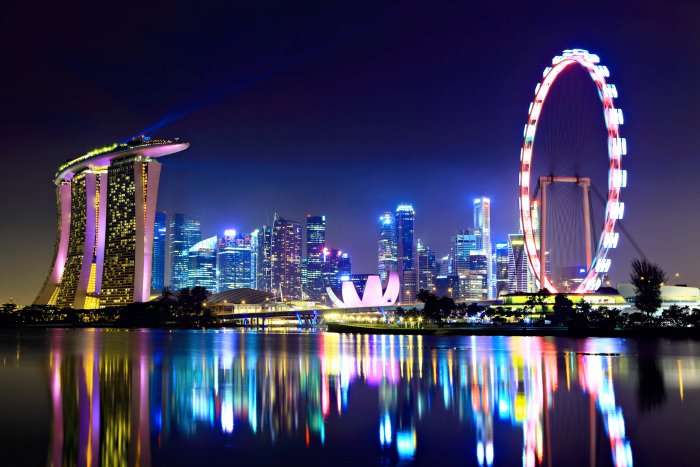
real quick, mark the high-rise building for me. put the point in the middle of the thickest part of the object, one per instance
(159, 242)
(518, 274)
(501, 268)
(463, 244)
(285, 258)
(184, 234)
(315, 243)
(337, 268)
(106, 201)
(476, 286)
(202, 267)
(387, 248)
(264, 259)
(235, 261)
(405, 253)
(482, 225)
(428, 268)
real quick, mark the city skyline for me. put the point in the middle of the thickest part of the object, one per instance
(364, 109)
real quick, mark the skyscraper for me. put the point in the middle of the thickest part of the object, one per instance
(285, 258)
(159, 241)
(501, 268)
(518, 274)
(184, 234)
(405, 226)
(463, 244)
(428, 268)
(337, 267)
(477, 287)
(106, 201)
(264, 259)
(315, 243)
(202, 264)
(234, 261)
(387, 249)
(482, 226)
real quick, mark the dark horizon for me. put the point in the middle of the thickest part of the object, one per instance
(344, 111)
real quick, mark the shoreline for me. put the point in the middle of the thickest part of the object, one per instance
(506, 330)
(500, 330)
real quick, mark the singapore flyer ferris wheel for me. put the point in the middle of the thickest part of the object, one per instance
(533, 203)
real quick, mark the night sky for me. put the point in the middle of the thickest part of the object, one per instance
(344, 110)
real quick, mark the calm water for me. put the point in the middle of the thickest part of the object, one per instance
(99, 397)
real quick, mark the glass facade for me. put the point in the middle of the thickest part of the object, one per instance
(482, 226)
(159, 241)
(184, 234)
(428, 268)
(235, 261)
(264, 259)
(387, 249)
(315, 243)
(518, 274)
(285, 258)
(202, 264)
(405, 226)
(501, 268)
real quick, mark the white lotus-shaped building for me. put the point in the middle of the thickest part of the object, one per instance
(372, 296)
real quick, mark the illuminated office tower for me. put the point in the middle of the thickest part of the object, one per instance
(501, 268)
(482, 226)
(285, 258)
(264, 259)
(159, 241)
(518, 274)
(428, 268)
(202, 267)
(106, 203)
(476, 286)
(463, 244)
(337, 268)
(315, 243)
(405, 253)
(184, 234)
(234, 261)
(387, 248)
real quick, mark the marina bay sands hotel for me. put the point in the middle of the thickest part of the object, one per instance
(106, 209)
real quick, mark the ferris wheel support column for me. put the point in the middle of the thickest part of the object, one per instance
(585, 184)
(544, 183)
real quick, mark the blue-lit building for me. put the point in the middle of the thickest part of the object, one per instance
(184, 234)
(501, 268)
(463, 244)
(482, 227)
(158, 256)
(407, 265)
(263, 260)
(387, 249)
(202, 264)
(428, 268)
(235, 261)
(313, 264)
(337, 268)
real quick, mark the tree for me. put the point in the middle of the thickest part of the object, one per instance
(538, 299)
(563, 309)
(647, 279)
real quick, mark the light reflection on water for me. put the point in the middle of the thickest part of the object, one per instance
(127, 398)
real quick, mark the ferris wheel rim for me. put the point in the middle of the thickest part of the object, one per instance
(617, 177)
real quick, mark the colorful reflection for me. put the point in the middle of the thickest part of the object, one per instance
(118, 400)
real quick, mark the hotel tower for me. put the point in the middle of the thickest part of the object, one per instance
(106, 210)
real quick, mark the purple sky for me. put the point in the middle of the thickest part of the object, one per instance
(347, 111)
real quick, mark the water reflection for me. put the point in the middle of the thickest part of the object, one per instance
(115, 400)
